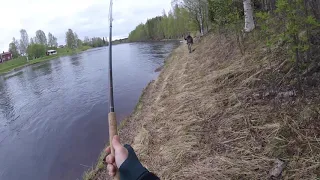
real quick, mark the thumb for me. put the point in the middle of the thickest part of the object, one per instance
(116, 143)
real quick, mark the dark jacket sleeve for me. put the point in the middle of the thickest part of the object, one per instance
(132, 169)
(149, 176)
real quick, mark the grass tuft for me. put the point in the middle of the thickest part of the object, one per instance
(219, 114)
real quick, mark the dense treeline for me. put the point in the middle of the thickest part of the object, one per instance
(95, 42)
(293, 24)
(120, 41)
(36, 46)
(73, 42)
(175, 24)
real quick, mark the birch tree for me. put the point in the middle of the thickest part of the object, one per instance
(32, 41)
(76, 40)
(197, 9)
(50, 39)
(24, 41)
(13, 48)
(71, 39)
(41, 38)
(54, 41)
(248, 16)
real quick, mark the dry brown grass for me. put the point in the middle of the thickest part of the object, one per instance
(215, 114)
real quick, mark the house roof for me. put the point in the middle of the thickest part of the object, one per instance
(5, 53)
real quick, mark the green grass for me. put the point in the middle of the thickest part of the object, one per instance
(92, 172)
(22, 61)
(9, 65)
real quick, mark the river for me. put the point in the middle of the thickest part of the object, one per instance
(53, 115)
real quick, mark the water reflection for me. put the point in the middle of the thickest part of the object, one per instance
(75, 59)
(158, 50)
(57, 64)
(13, 75)
(22, 80)
(160, 56)
(77, 67)
(58, 110)
(45, 68)
(35, 85)
(6, 105)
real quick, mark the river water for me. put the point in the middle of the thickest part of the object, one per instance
(53, 115)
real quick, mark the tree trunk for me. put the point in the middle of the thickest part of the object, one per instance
(201, 21)
(308, 29)
(208, 20)
(273, 5)
(198, 24)
(248, 15)
(315, 7)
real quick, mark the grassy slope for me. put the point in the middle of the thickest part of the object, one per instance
(22, 61)
(217, 114)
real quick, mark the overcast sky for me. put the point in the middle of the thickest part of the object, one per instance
(85, 17)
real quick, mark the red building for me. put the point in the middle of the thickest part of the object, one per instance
(5, 56)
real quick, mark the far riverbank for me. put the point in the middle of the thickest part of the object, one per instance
(22, 62)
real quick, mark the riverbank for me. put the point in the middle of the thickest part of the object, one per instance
(54, 104)
(21, 62)
(219, 114)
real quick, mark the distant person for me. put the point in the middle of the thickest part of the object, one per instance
(127, 162)
(189, 40)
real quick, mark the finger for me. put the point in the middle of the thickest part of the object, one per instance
(111, 169)
(110, 159)
(112, 174)
(116, 143)
(108, 150)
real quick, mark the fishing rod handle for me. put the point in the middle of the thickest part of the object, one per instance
(113, 130)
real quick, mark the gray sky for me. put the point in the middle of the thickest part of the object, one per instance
(85, 17)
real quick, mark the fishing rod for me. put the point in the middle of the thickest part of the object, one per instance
(112, 115)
